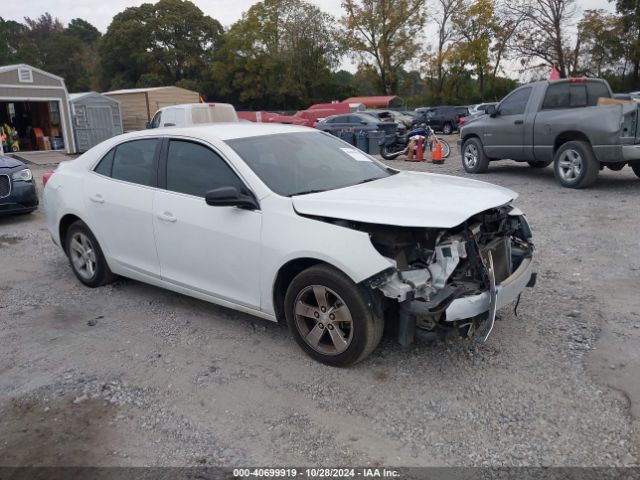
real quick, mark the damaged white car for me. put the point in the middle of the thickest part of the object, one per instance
(292, 224)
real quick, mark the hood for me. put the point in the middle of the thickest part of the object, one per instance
(407, 199)
(8, 162)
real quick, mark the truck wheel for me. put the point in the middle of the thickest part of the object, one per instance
(539, 164)
(447, 129)
(474, 160)
(575, 165)
(635, 166)
(330, 318)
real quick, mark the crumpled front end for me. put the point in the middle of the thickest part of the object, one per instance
(457, 277)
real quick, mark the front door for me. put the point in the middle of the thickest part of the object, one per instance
(119, 197)
(504, 138)
(212, 250)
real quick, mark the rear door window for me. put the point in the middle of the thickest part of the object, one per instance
(134, 161)
(106, 164)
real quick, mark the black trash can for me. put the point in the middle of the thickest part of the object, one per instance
(348, 137)
(362, 142)
(374, 141)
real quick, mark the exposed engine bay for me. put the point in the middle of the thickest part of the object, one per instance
(435, 267)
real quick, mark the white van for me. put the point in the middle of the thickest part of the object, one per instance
(193, 114)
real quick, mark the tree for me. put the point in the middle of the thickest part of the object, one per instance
(10, 35)
(167, 42)
(280, 54)
(83, 30)
(630, 12)
(384, 34)
(476, 26)
(599, 35)
(443, 17)
(543, 33)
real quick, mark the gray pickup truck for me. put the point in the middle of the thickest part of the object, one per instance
(556, 121)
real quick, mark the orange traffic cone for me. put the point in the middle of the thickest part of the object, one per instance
(436, 156)
(420, 155)
(410, 151)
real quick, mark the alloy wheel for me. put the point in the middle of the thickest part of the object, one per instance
(471, 156)
(83, 255)
(323, 320)
(570, 165)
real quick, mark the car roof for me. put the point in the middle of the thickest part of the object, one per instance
(221, 131)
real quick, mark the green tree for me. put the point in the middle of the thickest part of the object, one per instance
(11, 34)
(629, 10)
(166, 42)
(280, 54)
(601, 48)
(384, 35)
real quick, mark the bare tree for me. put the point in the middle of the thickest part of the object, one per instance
(543, 34)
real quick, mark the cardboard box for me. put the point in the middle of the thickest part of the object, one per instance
(604, 102)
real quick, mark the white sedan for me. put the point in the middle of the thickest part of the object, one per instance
(292, 224)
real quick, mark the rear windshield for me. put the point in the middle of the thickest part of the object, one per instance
(573, 95)
(299, 163)
(213, 113)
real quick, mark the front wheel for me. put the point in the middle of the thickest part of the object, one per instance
(474, 160)
(575, 165)
(330, 318)
(446, 149)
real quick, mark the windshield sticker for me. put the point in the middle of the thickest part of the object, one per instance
(356, 154)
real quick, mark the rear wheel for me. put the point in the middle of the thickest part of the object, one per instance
(330, 318)
(474, 160)
(575, 165)
(539, 164)
(85, 256)
(447, 129)
(388, 154)
(635, 166)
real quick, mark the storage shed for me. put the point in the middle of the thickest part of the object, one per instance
(96, 118)
(36, 104)
(139, 105)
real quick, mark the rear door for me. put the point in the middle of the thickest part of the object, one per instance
(119, 199)
(212, 250)
(504, 136)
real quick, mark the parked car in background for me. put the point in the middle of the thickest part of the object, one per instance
(444, 119)
(573, 123)
(353, 122)
(392, 116)
(193, 114)
(17, 187)
(481, 108)
(290, 224)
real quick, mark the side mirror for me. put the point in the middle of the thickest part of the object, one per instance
(230, 197)
(491, 110)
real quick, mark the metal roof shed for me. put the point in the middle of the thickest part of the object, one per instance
(96, 118)
(37, 102)
(139, 105)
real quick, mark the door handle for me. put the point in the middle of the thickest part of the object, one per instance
(167, 217)
(97, 198)
(518, 122)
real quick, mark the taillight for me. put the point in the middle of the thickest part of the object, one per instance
(46, 176)
(461, 121)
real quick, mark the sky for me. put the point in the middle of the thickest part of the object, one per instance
(100, 12)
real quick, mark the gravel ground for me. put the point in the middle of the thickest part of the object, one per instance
(129, 374)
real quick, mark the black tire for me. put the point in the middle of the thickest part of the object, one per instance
(384, 153)
(474, 160)
(575, 165)
(99, 274)
(447, 129)
(539, 164)
(635, 166)
(363, 332)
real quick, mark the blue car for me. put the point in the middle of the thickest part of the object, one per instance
(17, 188)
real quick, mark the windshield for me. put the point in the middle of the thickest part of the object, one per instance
(298, 163)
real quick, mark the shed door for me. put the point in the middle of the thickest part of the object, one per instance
(101, 123)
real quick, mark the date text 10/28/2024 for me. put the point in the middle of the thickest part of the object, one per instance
(315, 472)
